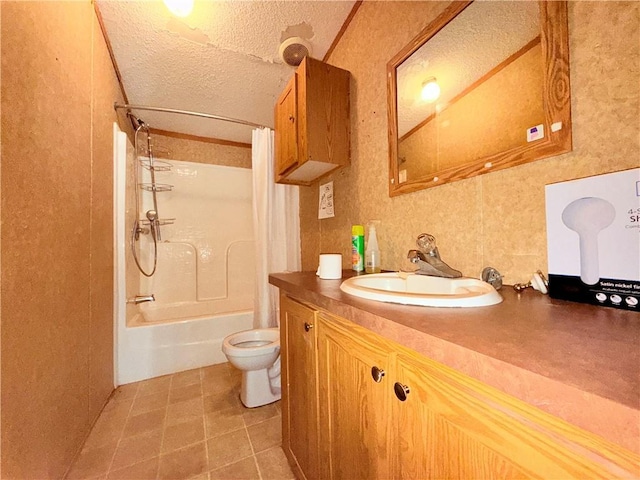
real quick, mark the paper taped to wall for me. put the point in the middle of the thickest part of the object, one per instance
(325, 207)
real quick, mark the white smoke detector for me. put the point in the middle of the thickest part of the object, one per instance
(293, 50)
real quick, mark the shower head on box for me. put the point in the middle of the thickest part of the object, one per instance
(587, 217)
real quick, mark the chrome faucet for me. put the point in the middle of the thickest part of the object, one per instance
(428, 260)
(142, 299)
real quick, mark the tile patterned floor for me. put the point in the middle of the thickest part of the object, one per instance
(189, 425)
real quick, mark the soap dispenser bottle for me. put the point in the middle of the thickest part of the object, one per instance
(372, 253)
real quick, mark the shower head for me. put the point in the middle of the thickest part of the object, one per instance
(587, 217)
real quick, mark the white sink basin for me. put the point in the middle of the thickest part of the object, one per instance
(412, 289)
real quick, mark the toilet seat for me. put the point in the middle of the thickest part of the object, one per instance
(248, 343)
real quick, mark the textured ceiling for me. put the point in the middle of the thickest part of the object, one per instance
(480, 38)
(222, 59)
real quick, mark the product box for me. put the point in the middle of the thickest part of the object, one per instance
(593, 239)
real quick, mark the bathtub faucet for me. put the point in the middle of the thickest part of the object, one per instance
(141, 299)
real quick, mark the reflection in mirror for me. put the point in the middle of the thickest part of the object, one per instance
(479, 90)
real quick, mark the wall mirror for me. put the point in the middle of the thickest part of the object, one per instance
(484, 87)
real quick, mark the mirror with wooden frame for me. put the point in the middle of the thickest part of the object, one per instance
(501, 96)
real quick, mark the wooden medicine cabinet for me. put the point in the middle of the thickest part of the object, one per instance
(312, 128)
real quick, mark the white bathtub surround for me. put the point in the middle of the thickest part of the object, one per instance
(204, 283)
(276, 227)
(206, 255)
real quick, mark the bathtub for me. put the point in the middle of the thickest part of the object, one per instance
(150, 347)
(157, 312)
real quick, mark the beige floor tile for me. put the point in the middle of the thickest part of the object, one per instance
(184, 411)
(147, 403)
(125, 391)
(252, 416)
(225, 421)
(184, 463)
(183, 379)
(234, 372)
(144, 422)
(273, 465)
(145, 470)
(117, 404)
(222, 401)
(182, 394)
(92, 462)
(236, 382)
(215, 371)
(182, 434)
(212, 386)
(107, 429)
(266, 434)
(134, 450)
(162, 440)
(228, 448)
(154, 385)
(243, 470)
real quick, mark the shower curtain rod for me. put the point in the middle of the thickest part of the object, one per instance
(186, 112)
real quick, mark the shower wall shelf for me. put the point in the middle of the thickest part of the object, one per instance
(160, 221)
(155, 165)
(155, 187)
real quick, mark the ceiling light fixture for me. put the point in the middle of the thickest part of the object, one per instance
(180, 8)
(430, 90)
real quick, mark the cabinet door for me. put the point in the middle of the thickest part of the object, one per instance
(451, 426)
(353, 370)
(286, 125)
(299, 387)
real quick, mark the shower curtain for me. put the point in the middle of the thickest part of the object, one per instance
(276, 228)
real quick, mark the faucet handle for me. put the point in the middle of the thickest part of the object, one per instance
(426, 243)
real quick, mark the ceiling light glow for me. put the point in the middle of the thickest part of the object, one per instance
(180, 8)
(430, 90)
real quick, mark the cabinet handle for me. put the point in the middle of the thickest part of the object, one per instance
(401, 391)
(307, 326)
(292, 118)
(377, 374)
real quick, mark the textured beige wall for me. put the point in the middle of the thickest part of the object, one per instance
(496, 219)
(190, 150)
(57, 96)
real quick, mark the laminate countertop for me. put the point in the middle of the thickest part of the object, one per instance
(576, 361)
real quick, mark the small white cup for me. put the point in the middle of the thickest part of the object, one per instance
(330, 267)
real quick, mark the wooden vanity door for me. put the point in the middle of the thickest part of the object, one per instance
(451, 426)
(353, 405)
(438, 433)
(299, 387)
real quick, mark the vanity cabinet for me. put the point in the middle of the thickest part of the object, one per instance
(299, 387)
(312, 129)
(353, 384)
(384, 411)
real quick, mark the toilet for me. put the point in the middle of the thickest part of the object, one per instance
(257, 353)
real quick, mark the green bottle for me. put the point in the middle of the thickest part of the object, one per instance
(357, 248)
